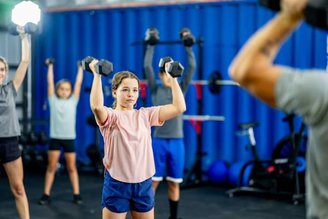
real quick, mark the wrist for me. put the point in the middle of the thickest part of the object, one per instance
(96, 75)
(23, 36)
(291, 20)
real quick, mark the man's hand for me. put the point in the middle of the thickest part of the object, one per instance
(293, 8)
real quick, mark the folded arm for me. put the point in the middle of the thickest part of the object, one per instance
(253, 67)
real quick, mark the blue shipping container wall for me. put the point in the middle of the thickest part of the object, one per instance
(224, 27)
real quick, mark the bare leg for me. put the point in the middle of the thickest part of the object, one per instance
(72, 171)
(143, 215)
(107, 214)
(173, 191)
(155, 184)
(14, 170)
(53, 158)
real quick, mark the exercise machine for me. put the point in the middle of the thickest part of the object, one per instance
(283, 174)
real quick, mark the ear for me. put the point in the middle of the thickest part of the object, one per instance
(114, 93)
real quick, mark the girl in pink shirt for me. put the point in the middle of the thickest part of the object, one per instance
(128, 155)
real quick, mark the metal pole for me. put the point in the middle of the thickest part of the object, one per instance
(29, 89)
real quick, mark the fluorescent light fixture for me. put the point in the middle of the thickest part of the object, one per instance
(24, 12)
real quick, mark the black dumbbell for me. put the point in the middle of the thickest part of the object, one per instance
(23, 139)
(12, 29)
(315, 14)
(29, 28)
(49, 61)
(175, 69)
(187, 38)
(162, 62)
(103, 67)
(85, 63)
(152, 36)
(32, 138)
(42, 138)
(271, 4)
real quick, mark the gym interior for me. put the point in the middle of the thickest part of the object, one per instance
(225, 128)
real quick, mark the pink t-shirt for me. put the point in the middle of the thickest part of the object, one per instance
(128, 153)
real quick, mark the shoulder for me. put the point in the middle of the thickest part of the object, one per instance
(8, 87)
(295, 79)
(53, 97)
(304, 92)
(73, 99)
(148, 109)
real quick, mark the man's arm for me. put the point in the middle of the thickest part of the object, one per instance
(189, 73)
(149, 71)
(253, 66)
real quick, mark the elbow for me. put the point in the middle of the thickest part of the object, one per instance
(182, 109)
(26, 60)
(147, 67)
(95, 109)
(239, 74)
(192, 66)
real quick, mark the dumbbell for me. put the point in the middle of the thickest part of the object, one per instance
(29, 28)
(175, 69)
(42, 138)
(49, 61)
(187, 37)
(162, 62)
(103, 67)
(152, 36)
(316, 11)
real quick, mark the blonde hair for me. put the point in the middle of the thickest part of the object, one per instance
(117, 80)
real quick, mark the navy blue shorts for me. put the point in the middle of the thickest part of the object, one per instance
(169, 155)
(9, 149)
(67, 145)
(120, 197)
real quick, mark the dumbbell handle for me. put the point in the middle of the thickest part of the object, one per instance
(49, 61)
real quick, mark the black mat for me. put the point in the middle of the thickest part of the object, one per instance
(197, 203)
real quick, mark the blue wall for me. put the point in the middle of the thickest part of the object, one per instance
(224, 26)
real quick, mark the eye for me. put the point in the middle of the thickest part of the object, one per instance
(135, 90)
(125, 90)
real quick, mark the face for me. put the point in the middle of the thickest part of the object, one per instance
(3, 72)
(64, 90)
(127, 94)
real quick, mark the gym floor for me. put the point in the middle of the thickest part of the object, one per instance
(206, 202)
